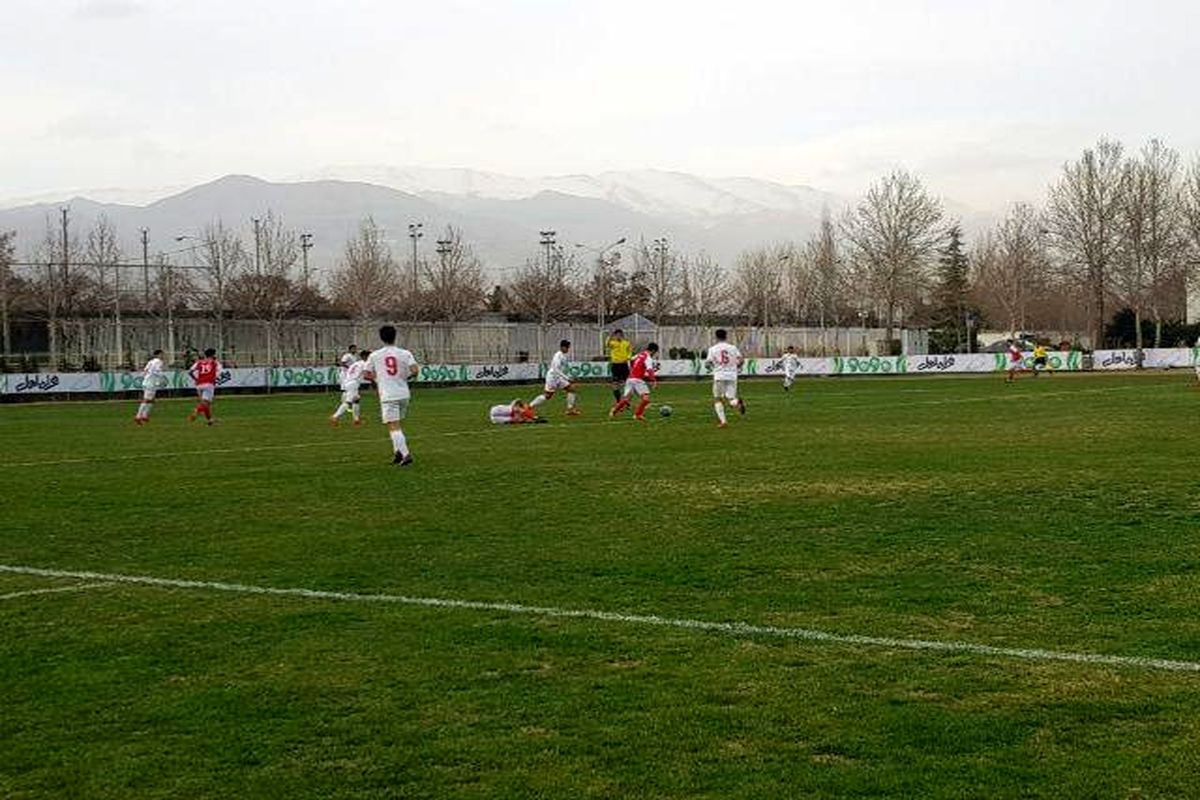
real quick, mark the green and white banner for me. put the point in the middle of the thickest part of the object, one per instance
(283, 378)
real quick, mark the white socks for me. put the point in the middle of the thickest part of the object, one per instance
(144, 411)
(357, 412)
(399, 444)
(341, 409)
(537, 401)
(571, 399)
(719, 407)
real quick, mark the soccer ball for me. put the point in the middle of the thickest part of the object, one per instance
(664, 411)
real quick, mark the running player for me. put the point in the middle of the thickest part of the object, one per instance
(352, 376)
(515, 413)
(204, 374)
(791, 364)
(391, 367)
(725, 359)
(152, 379)
(620, 350)
(1014, 361)
(347, 358)
(642, 372)
(1039, 358)
(558, 376)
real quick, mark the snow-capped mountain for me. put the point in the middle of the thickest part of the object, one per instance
(661, 193)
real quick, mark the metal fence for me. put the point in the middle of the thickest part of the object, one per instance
(91, 344)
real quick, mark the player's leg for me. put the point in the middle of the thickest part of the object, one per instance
(547, 393)
(643, 403)
(342, 408)
(622, 402)
(356, 409)
(393, 412)
(572, 399)
(719, 402)
(731, 394)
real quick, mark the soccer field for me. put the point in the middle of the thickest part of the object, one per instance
(898, 587)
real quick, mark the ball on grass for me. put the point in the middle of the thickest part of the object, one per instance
(664, 411)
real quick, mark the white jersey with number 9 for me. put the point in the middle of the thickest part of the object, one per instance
(390, 366)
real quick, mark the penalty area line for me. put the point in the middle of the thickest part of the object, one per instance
(736, 629)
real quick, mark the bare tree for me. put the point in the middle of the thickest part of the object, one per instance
(103, 253)
(893, 237)
(1009, 265)
(758, 284)
(1190, 206)
(799, 297)
(544, 289)
(453, 281)
(659, 268)
(7, 288)
(1151, 262)
(60, 286)
(1084, 221)
(367, 281)
(224, 258)
(705, 290)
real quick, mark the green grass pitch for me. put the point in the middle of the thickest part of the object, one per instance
(1061, 514)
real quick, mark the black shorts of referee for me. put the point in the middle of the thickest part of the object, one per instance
(620, 371)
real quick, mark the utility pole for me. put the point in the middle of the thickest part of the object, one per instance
(305, 245)
(146, 268)
(257, 246)
(415, 233)
(66, 264)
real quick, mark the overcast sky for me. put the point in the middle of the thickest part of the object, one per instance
(985, 99)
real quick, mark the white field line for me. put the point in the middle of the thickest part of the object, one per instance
(737, 629)
(79, 587)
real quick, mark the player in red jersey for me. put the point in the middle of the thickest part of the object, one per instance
(204, 374)
(642, 373)
(1015, 362)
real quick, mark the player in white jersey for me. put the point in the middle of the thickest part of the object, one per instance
(791, 365)
(153, 379)
(352, 376)
(391, 367)
(514, 413)
(558, 376)
(725, 359)
(347, 358)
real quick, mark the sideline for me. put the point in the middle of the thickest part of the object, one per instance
(736, 629)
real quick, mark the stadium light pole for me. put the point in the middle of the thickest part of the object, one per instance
(415, 233)
(602, 276)
(306, 244)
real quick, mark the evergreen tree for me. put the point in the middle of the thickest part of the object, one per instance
(949, 331)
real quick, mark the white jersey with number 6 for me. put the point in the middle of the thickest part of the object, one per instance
(390, 366)
(724, 358)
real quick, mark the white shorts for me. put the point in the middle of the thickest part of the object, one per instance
(393, 410)
(500, 417)
(206, 392)
(148, 394)
(350, 396)
(636, 386)
(789, 377)
(726, 389)
(556, 382)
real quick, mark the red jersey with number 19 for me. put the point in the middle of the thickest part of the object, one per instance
(204, 372)
(389, 367)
